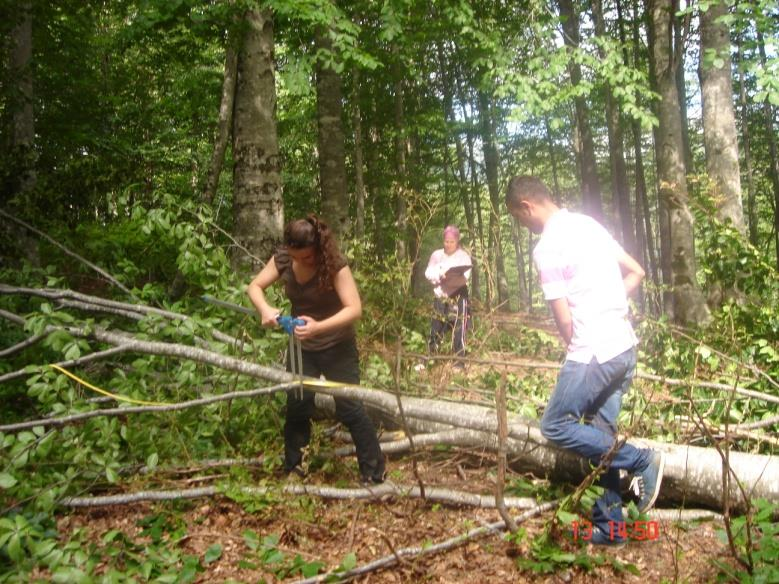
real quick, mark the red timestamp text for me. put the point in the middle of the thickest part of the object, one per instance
(619, 530)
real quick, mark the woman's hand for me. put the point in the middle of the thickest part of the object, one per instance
(269, 315)
(309, 330)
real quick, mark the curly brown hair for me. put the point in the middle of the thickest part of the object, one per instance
(311, 231)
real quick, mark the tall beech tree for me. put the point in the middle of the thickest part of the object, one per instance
(591, 189)
(223, 124)
(617, 165)
(719, 119)
(491, 165)
(330, 136)
(258, 208)
(689, 306)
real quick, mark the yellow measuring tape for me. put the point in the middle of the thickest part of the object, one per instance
(312, 382)
(108, 393)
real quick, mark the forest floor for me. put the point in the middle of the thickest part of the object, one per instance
(327, 531)
(314, 529)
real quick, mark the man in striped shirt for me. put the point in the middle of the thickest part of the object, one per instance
(586, 278)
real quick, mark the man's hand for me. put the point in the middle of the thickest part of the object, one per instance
(562, 317)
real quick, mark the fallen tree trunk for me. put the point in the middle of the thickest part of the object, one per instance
(692, 474)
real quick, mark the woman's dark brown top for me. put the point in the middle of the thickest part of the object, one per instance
(309, 300)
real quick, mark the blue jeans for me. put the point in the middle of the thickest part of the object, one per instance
(581, 416)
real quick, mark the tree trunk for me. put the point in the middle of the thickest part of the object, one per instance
(491, 164)
(223, 122)
(22, 136)
(591, 191)
(747, 147)
(401, 180)
(359, 179)
(21, 102)
(476, 201)
(773, 168)
(681, 85)
(448, 90)
(516, 236)
(688, 303)
(643, 212)
(330, 141)
(552, 160)
(258, 208)
(619, 174)
(719, 119)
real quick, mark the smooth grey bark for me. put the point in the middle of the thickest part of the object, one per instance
(773, 154)
(330, 140)
(689, 306)
(680, 32)
(21, 102)
(645, 244)
(258, 207)
(552, 159)
(720, 137)
(617, 166)
(401, 149)
(663, 221)
(516, 234)
(359, 176)
(747, 149)
(591, 189)
(224, 121)
(491, 164)
(21, 143)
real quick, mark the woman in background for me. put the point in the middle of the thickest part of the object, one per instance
(448, 271)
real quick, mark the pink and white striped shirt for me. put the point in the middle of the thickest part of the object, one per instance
(576, 259)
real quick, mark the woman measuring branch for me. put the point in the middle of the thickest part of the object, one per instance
(323, 293)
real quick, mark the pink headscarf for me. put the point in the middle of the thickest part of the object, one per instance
(453, 231)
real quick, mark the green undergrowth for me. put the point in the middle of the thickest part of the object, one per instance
(40, 465)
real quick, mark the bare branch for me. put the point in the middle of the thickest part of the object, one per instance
(417, 551)
(21, 346)
(72, 419)
(95, 303)
(69, 363)
(381, 491)
(86, 262)
(500, 405)
(526, 364)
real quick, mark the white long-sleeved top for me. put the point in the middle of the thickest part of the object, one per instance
(438, 265)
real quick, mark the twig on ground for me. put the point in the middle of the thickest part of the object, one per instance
(500, 405)
(418, 551)
(387, 489)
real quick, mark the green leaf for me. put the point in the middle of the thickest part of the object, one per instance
(566, 518)
(14, 548)
(349, 562)
(7, 480)
(213, 553)
(152, 460)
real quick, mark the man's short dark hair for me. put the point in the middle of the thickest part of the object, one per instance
(526, 187)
